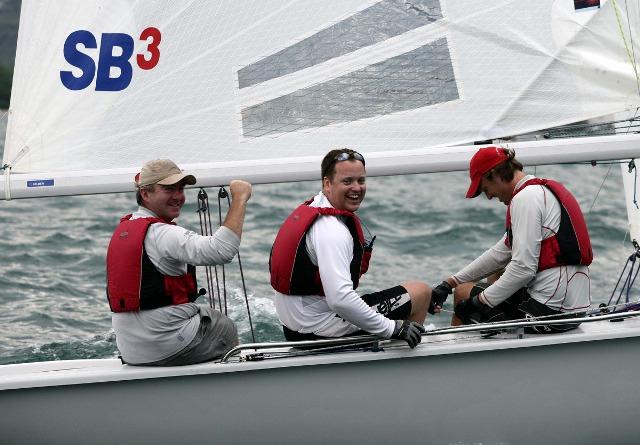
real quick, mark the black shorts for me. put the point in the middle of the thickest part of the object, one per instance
(519, 306)
(394, 303)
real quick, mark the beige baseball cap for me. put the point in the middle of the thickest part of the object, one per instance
(163, 172)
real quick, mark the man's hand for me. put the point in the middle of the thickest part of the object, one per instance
(466, 308)
(439, 295)
(240, 194)
(240, 190)
(409, 331)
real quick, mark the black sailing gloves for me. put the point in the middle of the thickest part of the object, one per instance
(468, 308)
(474, 311)
(409, 331)
(439, 295)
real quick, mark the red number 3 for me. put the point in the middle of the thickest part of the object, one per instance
(152, 49)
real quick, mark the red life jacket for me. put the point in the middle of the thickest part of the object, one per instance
(133, 282)
(292, 272)
(571, 245)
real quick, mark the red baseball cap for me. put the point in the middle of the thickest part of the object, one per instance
(481, 162)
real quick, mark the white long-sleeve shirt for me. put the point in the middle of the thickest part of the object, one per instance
(151, 335)
(535, 216)
(330, 247)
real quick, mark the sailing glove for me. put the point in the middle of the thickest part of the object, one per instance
(409, 331)
(466, 308)
(439, 295)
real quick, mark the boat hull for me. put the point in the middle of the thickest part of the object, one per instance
(572, 392)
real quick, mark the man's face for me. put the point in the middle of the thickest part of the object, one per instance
(497, 188)
(348, 187)
(165, 201)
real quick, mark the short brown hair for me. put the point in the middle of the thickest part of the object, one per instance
(328, 165)
(139, 195)
(507, 169)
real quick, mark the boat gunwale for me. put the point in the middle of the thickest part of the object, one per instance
(95, 371)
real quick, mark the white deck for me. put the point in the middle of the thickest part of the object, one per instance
(75, 372)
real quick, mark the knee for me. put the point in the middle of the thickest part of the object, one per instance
(462, 292)
(418, 290)
(457, 294)
(228, 331)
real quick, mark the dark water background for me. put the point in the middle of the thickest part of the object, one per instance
(52, 250)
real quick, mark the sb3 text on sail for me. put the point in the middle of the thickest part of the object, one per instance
(115, 51)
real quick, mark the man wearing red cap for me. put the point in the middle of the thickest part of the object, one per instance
(543, 257)
(151, 285)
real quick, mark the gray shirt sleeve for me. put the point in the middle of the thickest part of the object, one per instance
(171, 247)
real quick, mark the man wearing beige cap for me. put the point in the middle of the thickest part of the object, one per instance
(151, 285)
(543, 255)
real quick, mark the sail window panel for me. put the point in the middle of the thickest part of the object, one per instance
(416, 79)
(375, 24)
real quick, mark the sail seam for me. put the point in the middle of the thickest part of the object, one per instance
(624, 40)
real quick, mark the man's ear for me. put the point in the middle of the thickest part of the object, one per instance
(144, 194)
(325, 183)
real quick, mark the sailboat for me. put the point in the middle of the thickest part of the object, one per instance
(260, 91)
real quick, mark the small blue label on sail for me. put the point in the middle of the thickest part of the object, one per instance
(40, 183)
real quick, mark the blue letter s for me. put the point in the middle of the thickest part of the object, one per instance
(79, 60)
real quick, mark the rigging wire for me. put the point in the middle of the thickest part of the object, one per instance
(632, 166)
(206, 230)
(629, 279)
(599, 189)
(221, 195)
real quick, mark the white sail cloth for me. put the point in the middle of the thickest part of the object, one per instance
(251, 84)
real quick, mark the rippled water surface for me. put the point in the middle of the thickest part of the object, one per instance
(52, 252)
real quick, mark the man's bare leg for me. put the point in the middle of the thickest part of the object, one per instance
(420, 295)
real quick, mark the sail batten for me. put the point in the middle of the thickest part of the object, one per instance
(253, 82)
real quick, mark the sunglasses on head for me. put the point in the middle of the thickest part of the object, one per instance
(344, 156)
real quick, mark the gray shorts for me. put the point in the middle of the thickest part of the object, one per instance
(217, 335)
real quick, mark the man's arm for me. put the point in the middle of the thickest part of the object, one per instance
(333, 247)
(526, 223)
(495, 258)
(240, 194)
(168, 244)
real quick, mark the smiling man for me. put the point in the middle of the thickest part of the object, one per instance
(319, 256)
(151, 280)
(543, 256)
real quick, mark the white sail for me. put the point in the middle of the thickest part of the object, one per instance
(632, 197)
(263, 89)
